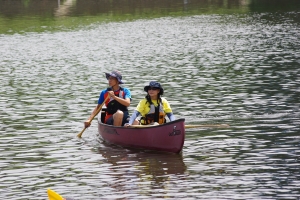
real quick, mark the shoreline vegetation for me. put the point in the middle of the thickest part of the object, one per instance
(50, 16)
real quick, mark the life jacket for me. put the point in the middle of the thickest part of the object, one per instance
(112, 106)
(156, 114)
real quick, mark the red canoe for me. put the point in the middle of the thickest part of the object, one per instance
(168, 137)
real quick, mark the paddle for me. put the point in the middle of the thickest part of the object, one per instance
(93, 116)
(208, 126)
(188, 126)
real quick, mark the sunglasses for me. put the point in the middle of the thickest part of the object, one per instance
(153, 88)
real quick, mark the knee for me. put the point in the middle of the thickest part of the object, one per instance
(119, 113)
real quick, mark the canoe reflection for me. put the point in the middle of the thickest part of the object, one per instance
(157, 165)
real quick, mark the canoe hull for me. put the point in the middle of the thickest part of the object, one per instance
(168, 137)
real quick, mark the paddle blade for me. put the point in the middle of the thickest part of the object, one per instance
(52, 195)
(79, 134)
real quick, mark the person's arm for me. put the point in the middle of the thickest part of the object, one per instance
(126, 101)
(134, 115)
(171, 116)
(168, 110)
(100, 101)
(139, 109)
(87, 122)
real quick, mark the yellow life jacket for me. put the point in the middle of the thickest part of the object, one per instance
(156, 114)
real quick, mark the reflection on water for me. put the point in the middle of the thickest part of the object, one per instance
(65, 8)
(238, 69)
(144, 169)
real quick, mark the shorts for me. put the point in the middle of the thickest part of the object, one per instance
(110, 121)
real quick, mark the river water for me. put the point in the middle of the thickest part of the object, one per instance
(233, 62)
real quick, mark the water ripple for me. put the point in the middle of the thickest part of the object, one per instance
(240, 70)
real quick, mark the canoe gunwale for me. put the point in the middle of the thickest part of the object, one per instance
(148, 127)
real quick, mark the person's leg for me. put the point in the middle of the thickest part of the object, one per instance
(126, 117)
(118, 118)
(110, 121)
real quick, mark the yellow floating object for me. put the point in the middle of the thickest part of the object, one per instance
(53, 195)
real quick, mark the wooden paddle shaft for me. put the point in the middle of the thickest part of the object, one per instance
(208, 126)
(188, 126)
(93, 116)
